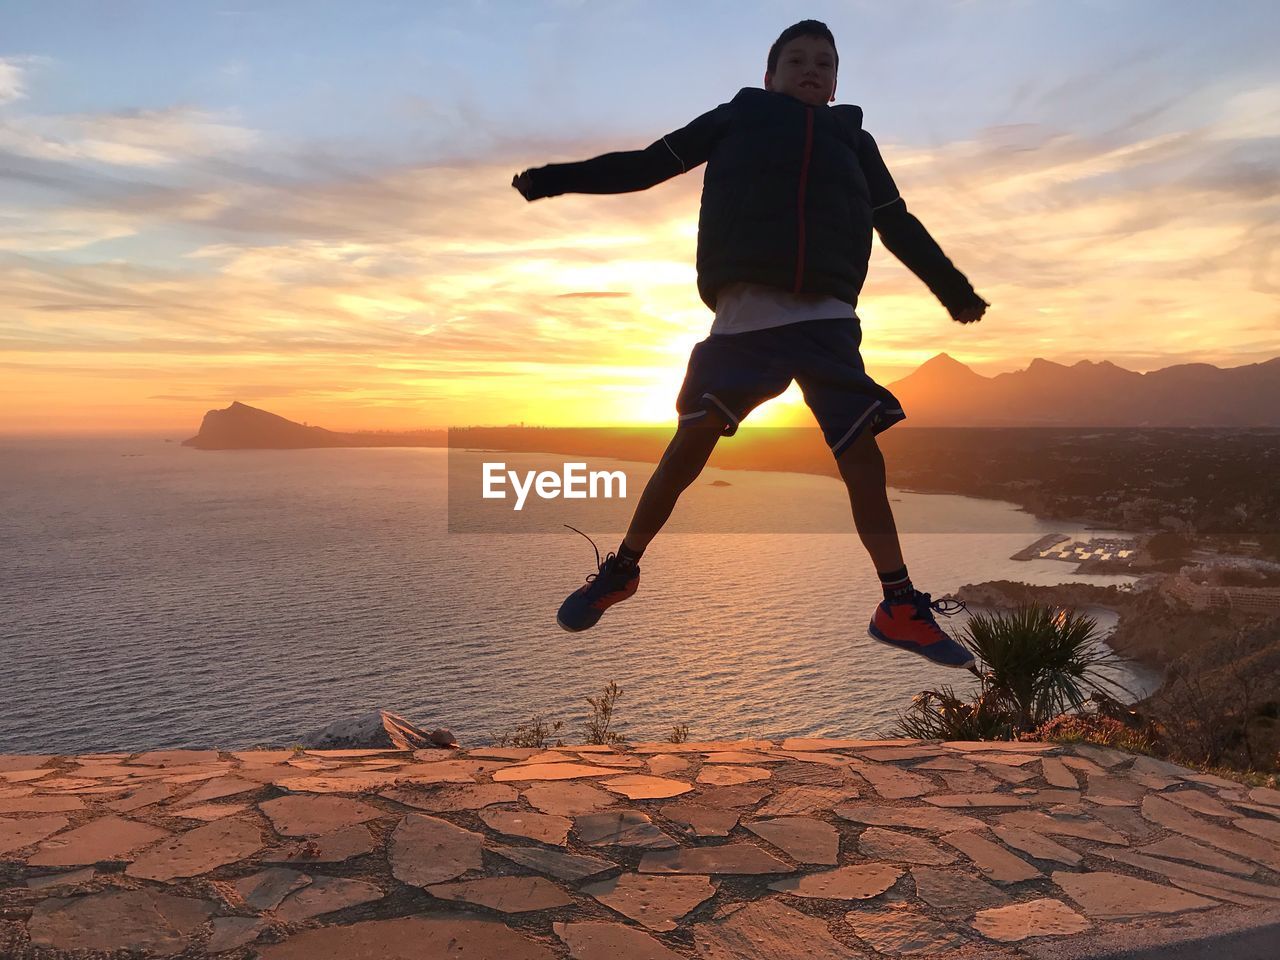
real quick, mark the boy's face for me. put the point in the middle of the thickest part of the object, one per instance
(806, 70)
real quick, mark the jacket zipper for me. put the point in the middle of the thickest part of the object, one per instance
(804, 177)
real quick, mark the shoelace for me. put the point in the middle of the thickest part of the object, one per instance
(599, 563)
(947, 606)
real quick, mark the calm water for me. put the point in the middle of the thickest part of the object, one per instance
(153, 596)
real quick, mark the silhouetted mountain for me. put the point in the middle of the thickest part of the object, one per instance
(242, 427)
(943, 392)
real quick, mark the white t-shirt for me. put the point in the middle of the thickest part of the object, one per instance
(742, 307)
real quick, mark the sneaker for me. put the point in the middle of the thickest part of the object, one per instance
(910, 625)
(583, 608)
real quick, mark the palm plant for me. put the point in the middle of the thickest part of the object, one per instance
(1041, 662)
(1037, 662)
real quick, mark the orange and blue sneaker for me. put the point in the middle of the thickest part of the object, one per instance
(612, 583)
(909, 624)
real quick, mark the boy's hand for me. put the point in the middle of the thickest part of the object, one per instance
(524, 183)
(972, 313)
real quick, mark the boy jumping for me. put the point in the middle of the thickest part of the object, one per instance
(792, 190)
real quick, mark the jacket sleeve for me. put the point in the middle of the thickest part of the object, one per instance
(630, 170)
(906, 238)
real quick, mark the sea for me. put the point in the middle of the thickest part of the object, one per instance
(153, 595)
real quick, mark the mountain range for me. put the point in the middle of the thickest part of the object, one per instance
(942, 392)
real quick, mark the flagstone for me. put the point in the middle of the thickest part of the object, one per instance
(803, 839)
(16, 834)
(731, 776)
(995, 861)
(766, 930)
(954, 764)
(1058, 774)
(1015, 775)
(72, 878)
(1177, 847)
(1211, 780)
(702, 746)
(729, 858)
(1113, 896)
(357, 753)
(565, 866)
(1036, 846)
(1180, 873)
(1258, 808)
(264, 890)
(1062, 826)
(798, 801)
(25, 776)
(198, 851)
(612, 760)
(568, 799)
(1167, 814)
(812, 774)
(218, 789)
(424, 850)
(955, 894)
(663, 763)
(1048, 798)
(736, 797)
(262, 756)
(916, 818)
(567, 770)
(37, 804)
(1034, 918)
(107, 838)
(824, 759)
(829, 743)
(503, 753)
(860, 881)
(623, 828)
(543, 827)
(505, 894)
(976, 800)
(892, 754)
(410, 938)
(655, 902)
(209, 811)
(142, 797)
(232, 932)
(302, 816)
(172, 758)
(1007, 759)
(1085, 766)
(641, 787)
(326, 895)
(350, 782)
(1265, 796)
(740, 757)
(600, 940)
(452, 798)
(140, 920)
(10, 793)
(890, 782)
(24, 761)
(965, 782)
(1125, 792)
(1200, 803)
(702, 821)
(1012, 746)
(877, 843)
(1267, 829)
(449, 771)
(332, 847)
(898, 929)
(551, 756)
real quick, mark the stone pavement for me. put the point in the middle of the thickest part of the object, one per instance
(722, 851)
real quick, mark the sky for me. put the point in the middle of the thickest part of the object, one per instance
(306, 206)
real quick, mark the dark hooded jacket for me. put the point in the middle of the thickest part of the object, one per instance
(789, 198)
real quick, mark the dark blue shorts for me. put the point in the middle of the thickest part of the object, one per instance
(732, 374)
